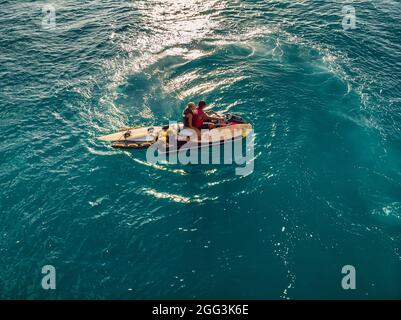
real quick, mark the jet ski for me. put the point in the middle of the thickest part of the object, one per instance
(175, 136)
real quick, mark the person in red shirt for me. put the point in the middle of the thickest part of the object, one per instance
(202, 120)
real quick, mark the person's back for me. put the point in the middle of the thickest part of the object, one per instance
(188, 119)
(188, 114)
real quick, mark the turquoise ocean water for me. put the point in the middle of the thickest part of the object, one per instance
(326, 189)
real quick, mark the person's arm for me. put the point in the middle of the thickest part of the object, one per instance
(208, 118)
(214, 112)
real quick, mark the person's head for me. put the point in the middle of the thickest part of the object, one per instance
(191, 106)
(202, 104)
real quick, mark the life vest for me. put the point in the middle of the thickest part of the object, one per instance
(198, 118)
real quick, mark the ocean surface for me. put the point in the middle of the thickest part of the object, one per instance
(325, 104)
